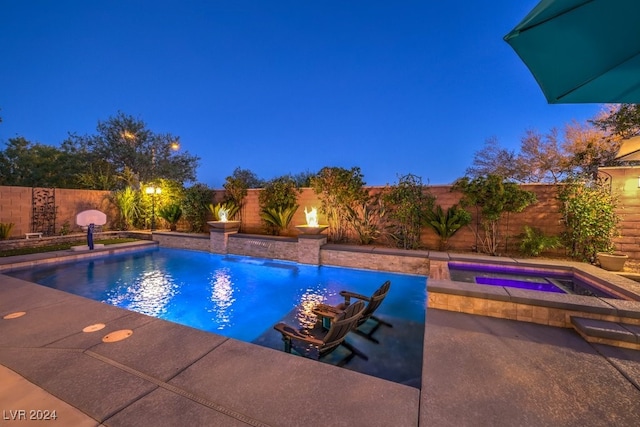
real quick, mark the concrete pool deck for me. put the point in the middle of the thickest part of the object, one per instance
(476, 371)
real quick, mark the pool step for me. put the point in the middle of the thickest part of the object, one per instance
(609, 333)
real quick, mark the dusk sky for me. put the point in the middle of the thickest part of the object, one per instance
(277, 87)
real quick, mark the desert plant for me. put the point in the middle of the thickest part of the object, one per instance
(172, 214)
(230, 207)
(589, 214)
(278, 218)
(365, 219)
(447, 223)
(5, 230)
(534, 241)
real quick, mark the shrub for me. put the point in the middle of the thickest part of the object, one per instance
(338, 190)
(495, 198)
(194, 206)
(534, 242)
(128, 203)
(588, 210)
(407, 204)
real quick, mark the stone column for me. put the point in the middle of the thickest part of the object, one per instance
(219, 239)
(309, 248)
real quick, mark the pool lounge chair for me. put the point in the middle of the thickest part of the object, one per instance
(318, 342)
(328, 312)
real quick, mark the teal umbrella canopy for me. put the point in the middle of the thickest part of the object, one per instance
(582, 51)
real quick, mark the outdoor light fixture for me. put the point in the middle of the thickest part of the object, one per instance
(639, 182)
(153, 190)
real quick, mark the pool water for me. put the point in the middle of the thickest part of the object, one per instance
(235, 296)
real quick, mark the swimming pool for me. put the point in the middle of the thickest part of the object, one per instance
(235, 296)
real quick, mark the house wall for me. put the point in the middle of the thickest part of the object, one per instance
(625, 183)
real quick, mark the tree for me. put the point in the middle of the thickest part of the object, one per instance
(622, 121)
(495, 160)
(30, 164)
(303, 179)
(338, 189)
(541, 158)
(236, 186)
(493, 197)
(589, 148)
(124, 142)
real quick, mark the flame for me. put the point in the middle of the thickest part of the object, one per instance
(312, 217)
(222, 213)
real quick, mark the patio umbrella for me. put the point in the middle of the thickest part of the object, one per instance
(582, 51)
(629, 150)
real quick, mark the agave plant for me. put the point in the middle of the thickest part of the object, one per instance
(230, 207)
(447, 223)
(278, 218)
(365, 220)
(5, 230)
(171, 214)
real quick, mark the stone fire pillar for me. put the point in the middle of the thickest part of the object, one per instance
(309, 248)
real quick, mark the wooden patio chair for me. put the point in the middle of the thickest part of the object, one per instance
(319, 342)
(329, 312)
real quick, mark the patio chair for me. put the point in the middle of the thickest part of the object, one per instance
(328, 312)
(318, 342)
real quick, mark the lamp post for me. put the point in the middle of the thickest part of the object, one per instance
(152, 191)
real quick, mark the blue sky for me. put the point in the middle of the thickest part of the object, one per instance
(279, 87)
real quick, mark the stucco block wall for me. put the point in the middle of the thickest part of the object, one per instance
(16, 206)
(545, 215)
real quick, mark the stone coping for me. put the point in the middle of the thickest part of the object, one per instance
(44, 258)
(182, 235)
(377, 250)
